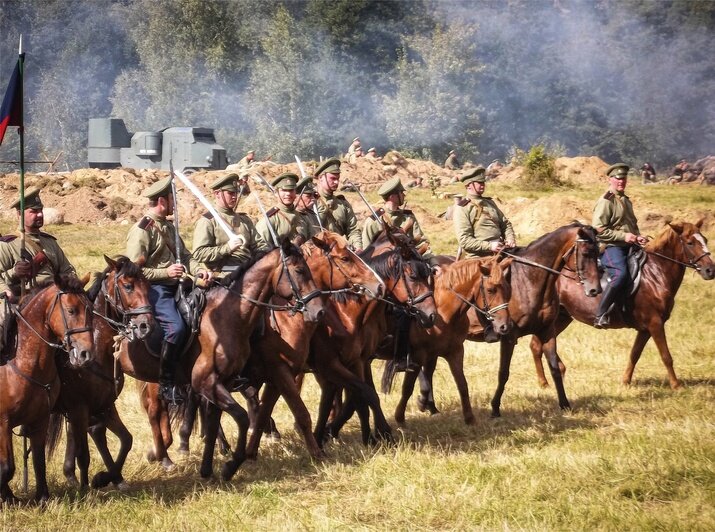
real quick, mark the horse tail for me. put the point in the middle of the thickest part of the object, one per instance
(54, 431)
(177, 412)
(388, 376)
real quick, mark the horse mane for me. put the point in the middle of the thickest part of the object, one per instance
(66, 283)
(459, 272)
(387, 268)
(308, 246)
(125, 267)
(663, 240)
(543, 238)
(291, 250)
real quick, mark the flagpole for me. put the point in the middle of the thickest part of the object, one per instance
(21, 131)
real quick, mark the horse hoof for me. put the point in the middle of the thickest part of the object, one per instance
(228, 470)
(123, 486)
(566, 406)
(677, 385)
(206, 473)
(101, 479)
(72, 482)
(495, 414)
(151, 456)
(470, 420)
(167, 464)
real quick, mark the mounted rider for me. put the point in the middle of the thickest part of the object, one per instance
(39, 261)
(212, 246)
(481, 227)
(336, 213)
(153, 239)
(617, 228)
(306, 200)
(287, 222)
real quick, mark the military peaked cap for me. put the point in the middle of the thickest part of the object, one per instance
(618, 170)
(371, 150)
(32, 200)
(451, 152)
(159, 189)
(227, 182)
(331, 166)
(305, 185)
(391, 186)
(249, 152)
(356, 139)
(474, 175)
(285, 181)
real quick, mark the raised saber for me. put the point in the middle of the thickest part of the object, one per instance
(177, 236)
(207, 204)
(374, 213)
(272, 231)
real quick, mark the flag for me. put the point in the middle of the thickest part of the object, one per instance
(11, 110)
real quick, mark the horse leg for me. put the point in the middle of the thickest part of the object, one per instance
(68, 467)
(187, 423)
(225, 402)
(155, 409)
(537, 349)
(425, 401)
(662, 343)
(38, 440)
(555, 367)
(506, 350)
(408, 386)
(456, 366)
(7, 464)
(113, 474)
(327, 392)
(261, 414)
(212, 417)
(79, 423)
(638, 345)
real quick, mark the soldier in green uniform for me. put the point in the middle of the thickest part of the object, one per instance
(306, 200)
(336, 213)
(153, 240)
(393, 193)
(212, 247)
(452, 163)
(246, 161)
(481, 227)
(617, 228)
(40, 261)
(287, 223)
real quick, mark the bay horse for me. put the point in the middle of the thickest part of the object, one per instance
(280, 354)
(52, 319)
(480, 285)
(88, 394)
(570, 250)
(354, 327)
(680, 246)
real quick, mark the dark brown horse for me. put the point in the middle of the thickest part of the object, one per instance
(679, 246)
(88, 394)
(481, 285)
(354, 327)
(52, 320)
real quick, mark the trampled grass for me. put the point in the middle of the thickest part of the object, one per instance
(638, 457)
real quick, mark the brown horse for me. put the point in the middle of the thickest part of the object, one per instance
(678, 247)
(353, 329)
(88, 394)
(481, 285)
(29, 382)
(282, 351)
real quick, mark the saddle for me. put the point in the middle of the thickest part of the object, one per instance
(637, 257)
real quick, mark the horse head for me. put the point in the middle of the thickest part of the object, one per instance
(694, 248)
(491, 296)
(293, 281)
(336, 267)
(69, 318)
(126, 291)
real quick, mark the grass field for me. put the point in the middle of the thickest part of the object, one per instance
(640, 457)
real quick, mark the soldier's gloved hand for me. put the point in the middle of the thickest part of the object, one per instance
(642, 240)
(175, 271)
(236, 242)
(496, 246)
(509, 244)
(23, 269)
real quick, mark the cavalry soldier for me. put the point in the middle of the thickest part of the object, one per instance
(336, 213)
(482, 228)
(306, 199)
(452, 163)
(393, 193)
(287, 223)
(617, 228)
(39, 262)
(212, 247)
(153, 239)
(247, 160)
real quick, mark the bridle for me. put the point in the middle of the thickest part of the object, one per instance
(488, 312)
(353, 287)
(409, 306)
(119, 307)
(574, 250)
(692, 259)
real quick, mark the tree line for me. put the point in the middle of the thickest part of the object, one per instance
(625, 80)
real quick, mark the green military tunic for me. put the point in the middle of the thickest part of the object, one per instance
(397, 218)
(211, 243)
(313, 224)
(153, 238)
(286, 222)
(478, 222)
(337, 215)
(613, 217)
(55, 262)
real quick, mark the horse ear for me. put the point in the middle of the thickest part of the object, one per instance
(505, 263)
(699, 223)
(677, 227)
(486, 270)
(86, 277)
(110, 262)
(141, 261)
(320, 243)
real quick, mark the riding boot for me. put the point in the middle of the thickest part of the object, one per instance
(167, 373)
(607, 299)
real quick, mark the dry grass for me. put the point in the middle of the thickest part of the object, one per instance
(624, 458)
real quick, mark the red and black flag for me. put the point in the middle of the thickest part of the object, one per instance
(11, 110)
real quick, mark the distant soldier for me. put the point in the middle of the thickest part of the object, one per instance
(648, 173)
(247, 160)
(153, 239)
(354, 146)
(679, 172)
(452, 163)
(481, 227)
(212, 247)
(287, 223)
(617, 228)
(493, 169)
(306, 200)
(39, 262)
(336, 213)
(354, 156)
(372, 154)
(393, 193)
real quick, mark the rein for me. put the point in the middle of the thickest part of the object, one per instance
(487, 312)
(692, 262)
(124, 328)
(564, 257)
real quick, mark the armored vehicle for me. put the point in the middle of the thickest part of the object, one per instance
(110, 145)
